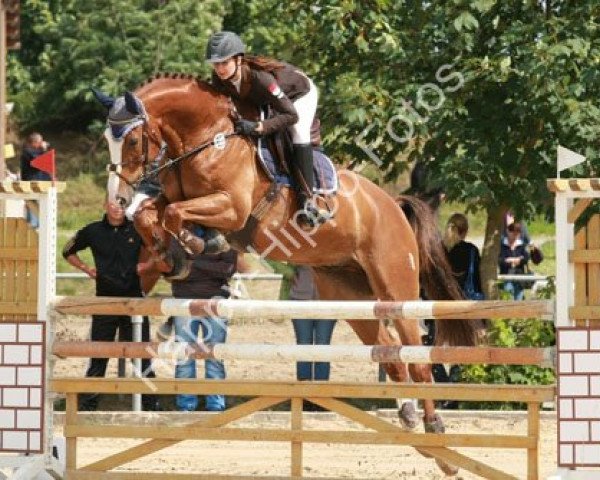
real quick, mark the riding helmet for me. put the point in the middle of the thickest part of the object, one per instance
(224, 45)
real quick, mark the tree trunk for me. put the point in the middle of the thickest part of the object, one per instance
(488, 268)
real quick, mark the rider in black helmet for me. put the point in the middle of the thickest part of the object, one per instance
(291, 96)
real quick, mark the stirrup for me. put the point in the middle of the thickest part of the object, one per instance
(314, 215)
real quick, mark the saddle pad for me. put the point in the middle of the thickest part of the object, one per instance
(326, 181)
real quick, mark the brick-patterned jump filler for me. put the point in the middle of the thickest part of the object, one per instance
(577, 328)
(579, 397)
(22, 386)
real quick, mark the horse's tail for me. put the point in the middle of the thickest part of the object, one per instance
(435, 274)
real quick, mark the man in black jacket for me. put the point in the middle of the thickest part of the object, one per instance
(116, 247)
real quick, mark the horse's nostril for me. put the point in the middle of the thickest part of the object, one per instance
(121, 201)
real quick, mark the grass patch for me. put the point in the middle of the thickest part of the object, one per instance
(81, 203)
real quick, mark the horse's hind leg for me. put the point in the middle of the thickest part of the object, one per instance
(399, 281)
(352, 284)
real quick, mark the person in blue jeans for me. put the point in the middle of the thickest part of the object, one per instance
(209, 278)
(214, 330)
(308, 331)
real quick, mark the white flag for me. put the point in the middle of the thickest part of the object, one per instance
(567, 159)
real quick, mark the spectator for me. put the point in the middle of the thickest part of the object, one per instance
(310, 332)
(32, 149)
(509, 219)
(115, 246)
(513, 259)
(463, 256)
(464, 259)
(209, 278)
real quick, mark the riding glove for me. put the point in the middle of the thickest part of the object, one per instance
(246, 127)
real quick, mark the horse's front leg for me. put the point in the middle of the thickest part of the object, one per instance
(147, 223)
(216, 210)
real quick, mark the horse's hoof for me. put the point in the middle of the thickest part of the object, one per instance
(192, 244)
(437, 426)
(178, 274)
(215, 242)
(408, 416)
(182, 266)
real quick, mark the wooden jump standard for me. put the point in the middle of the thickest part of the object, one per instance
(542, 357)
(285, 310)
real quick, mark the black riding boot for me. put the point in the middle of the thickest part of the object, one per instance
(309, 215)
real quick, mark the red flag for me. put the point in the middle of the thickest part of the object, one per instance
(45, 163)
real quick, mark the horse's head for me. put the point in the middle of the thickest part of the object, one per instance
(133, 142)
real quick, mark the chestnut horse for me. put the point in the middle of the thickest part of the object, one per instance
(368, 251)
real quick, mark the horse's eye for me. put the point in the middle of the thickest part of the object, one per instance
(133, 142)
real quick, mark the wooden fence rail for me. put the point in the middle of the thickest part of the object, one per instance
(176, 351)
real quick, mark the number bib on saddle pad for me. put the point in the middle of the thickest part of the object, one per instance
(326, 181)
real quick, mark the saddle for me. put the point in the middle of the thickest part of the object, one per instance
(275, 154)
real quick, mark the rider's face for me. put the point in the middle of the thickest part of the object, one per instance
(226, 69)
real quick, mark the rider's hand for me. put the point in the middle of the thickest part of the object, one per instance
(246, 127)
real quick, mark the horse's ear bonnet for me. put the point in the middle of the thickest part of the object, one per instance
(106, 100)
(133, 104)
(124, 113)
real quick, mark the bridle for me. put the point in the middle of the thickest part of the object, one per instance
(152, 169)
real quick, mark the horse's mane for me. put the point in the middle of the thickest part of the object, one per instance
(174, 79)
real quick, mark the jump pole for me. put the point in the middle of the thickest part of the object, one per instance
(234, 309)
(176, 351)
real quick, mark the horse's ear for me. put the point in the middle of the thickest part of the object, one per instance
(132, 104)
(104, 99)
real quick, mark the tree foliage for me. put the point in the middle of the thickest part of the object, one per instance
(481, 91)
(71, 45)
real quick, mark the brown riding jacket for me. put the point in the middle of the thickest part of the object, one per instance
(277, 90)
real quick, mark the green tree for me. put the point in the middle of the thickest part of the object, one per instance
(481, 91)
(71, 45)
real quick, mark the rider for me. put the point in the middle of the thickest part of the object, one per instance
(291, 96)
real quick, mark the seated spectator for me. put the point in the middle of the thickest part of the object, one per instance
(513, 259)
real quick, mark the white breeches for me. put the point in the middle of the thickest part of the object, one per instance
(306, 106)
